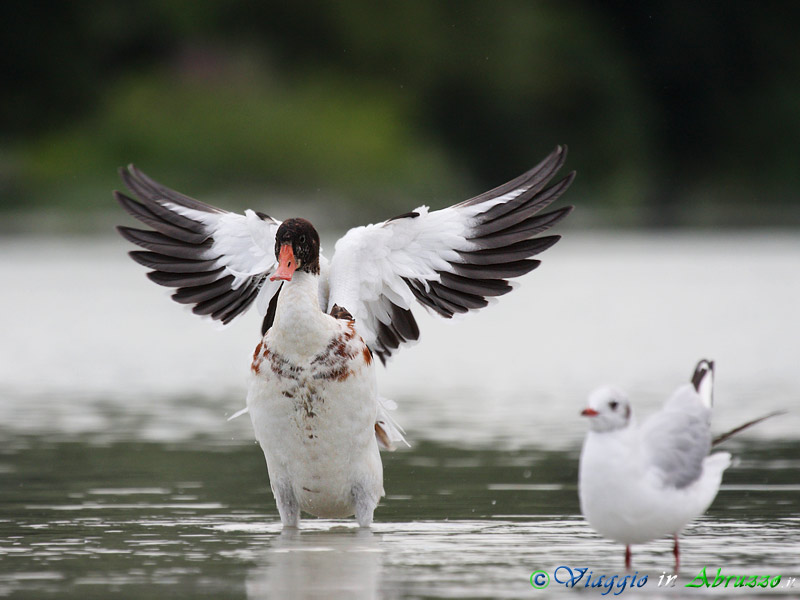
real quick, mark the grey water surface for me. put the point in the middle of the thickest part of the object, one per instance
(120, 476)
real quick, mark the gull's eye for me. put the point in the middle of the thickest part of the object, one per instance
(613, 404)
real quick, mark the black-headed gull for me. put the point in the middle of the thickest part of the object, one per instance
(312, 396)
(638, 483)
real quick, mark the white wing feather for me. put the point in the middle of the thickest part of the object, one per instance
(370, 263)
(451, 260)
(218, 260)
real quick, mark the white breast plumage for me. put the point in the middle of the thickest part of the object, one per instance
(313, 401)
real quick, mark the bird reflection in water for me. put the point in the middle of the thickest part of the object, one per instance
(339, 563)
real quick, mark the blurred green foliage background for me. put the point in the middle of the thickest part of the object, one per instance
(674, 112)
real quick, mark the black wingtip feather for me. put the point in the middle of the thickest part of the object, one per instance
(147, 188)
(184, 279)
(269, 318)
(491, 222)
(503, 241)
(241, 305)
(496, 271)
(703, 368)
(171, 264)
(427, 298)
(162, 244)
(200, 293)
(163, 225)
(405, 323)
(217, 304)
(456, 302)
(177, 250)
(511, 253)
(474, 286)
(523, 230)
(534, 177)
(722, 437)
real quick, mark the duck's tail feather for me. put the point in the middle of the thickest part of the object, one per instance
(238, 413)
(387, 431)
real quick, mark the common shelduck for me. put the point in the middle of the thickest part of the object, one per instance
(312, 394)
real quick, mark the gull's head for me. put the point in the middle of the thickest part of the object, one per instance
(608, 409)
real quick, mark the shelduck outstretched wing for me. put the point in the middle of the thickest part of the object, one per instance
(219, 261)
(451, 260)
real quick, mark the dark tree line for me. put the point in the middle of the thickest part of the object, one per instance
(659, 97)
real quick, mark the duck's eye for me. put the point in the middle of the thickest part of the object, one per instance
(613, 404)
(303, 239)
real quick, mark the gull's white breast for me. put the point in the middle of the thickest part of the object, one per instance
(624, 498)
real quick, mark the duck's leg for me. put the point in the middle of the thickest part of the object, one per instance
(288, 507)
(628, 557)
(677, 553)
(364, 505)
